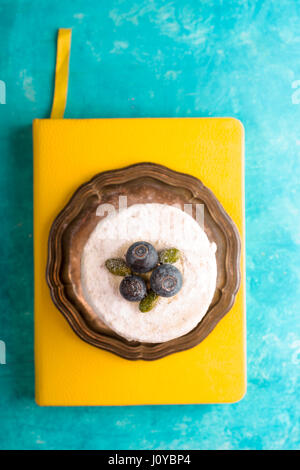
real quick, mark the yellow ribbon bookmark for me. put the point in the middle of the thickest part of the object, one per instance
(61, 73)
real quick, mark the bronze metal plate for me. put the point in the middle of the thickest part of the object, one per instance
(141, 183)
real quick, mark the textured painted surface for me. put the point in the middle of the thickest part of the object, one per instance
(159, 58)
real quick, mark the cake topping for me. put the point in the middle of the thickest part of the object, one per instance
(138, 285)
(133, 288)
(118, 267)
(166, 280)
(142, 257)
(148, 302)
(170, 255)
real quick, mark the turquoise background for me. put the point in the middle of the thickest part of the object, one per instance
(161, 58)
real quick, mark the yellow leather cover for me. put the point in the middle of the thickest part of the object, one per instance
(69, 152)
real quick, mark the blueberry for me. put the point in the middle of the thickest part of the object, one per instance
(133, 288)
(141, 257)
(166, 280)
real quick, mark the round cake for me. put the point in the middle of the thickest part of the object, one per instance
(163, 226)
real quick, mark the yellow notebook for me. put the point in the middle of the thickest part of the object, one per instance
(69, 152)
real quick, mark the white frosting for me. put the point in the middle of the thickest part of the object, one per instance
(164, 226)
